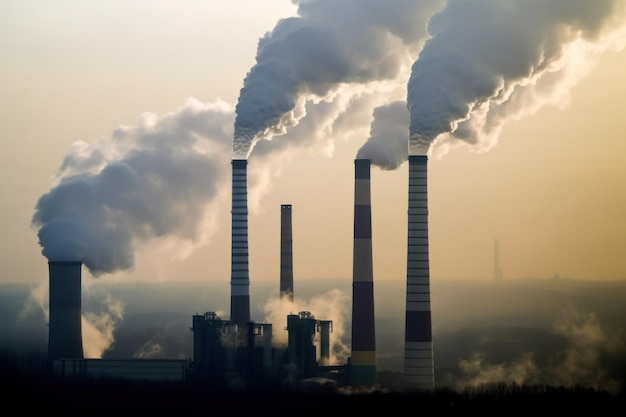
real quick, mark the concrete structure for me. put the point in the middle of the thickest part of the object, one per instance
(65, 338)
(302, 344)
(213, 346)
(240, 279)
(286, 253)
(418, 345)
(363, 360)
(326, 327)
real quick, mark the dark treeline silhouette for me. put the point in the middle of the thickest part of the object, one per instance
(31, 390)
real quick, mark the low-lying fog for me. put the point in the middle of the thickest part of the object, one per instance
(558, 331)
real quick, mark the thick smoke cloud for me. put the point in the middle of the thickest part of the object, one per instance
(310, 56)
(487, 61)
(155, 180)
(387, 145)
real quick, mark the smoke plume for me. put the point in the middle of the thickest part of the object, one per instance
(332, 305)
(485, 62)
(387, 145)
(99, 328)
(577, 366)
(310, 56)
(158, 179)
(488, 61)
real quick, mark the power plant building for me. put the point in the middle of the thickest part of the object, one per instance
(240, 348)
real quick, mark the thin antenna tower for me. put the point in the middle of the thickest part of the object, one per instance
(497, 270)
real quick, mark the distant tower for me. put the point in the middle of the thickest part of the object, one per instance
(240, 280)
(497, 270)
(418, 342)
(286, 254)
(363, 361)
(65, 338)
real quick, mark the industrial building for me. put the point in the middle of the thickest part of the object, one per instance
(237, 350)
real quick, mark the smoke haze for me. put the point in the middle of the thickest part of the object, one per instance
(154, 180)
(387, 145)
(317, 77)
(483, 64)
(310, 56)
(487, 62)
(554, 332)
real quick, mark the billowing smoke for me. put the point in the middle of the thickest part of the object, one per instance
(99, 327)
(332, 305)
(159, 179)
(488, 61)
(387, 145)
(328, 45)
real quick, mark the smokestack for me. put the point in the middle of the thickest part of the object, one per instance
(286, 255)
(65, 338)
(325, 329)
(363, 361)
(497, 271)
(240, 281)
(418, 341)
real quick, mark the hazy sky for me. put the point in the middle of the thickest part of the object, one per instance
(108, 94)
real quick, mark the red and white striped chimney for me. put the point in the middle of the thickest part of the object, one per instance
(240, 280)
(418, 342)
(363, 360)
(286, 254)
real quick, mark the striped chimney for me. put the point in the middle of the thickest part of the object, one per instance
(240, 281)
(418, 341)
(286, 255)
(65, 339)
(363, 360)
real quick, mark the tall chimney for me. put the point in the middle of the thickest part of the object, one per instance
(240, 281)
(497, 271)
(286, 254)
(418, 341)
(363, 360)
(65, 338)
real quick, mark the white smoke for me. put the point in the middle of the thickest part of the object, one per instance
(487, 62)
(159, 179)
(387, 145)
(333, 305)
(577, 366)
(98, 328)
(328, 45)
(150, 349)
(347, 116)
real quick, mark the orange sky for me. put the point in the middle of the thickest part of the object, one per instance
(553, 190)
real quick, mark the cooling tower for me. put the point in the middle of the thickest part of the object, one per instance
(240, 281)
(65, 338)
(363, 360)
(286, 256)
(418, 342)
